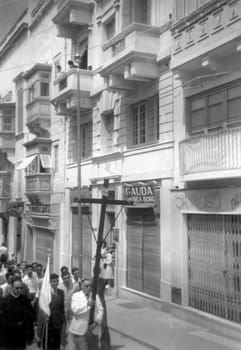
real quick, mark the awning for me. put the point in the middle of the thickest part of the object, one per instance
(26, 162)
(46, 161)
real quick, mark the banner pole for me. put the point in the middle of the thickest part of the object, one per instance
(46, 336)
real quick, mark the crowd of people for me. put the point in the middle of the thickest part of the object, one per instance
(71, 300)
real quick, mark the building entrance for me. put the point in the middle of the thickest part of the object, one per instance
(143, 251)
(214, 264)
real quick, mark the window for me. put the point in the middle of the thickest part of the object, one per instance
(38, 86)
(7, 115)
(31, 93)
(215, 108)
(20, 111)
(136, 11)
(184, 7)
(108, 133)
(142, 11)
(197, 113)
(145, 122)
(86, 139)
(56, 158)
(110, 28)
(44, 89)
(234, 103)
(7, 124)
(40, 164)
(82, 49)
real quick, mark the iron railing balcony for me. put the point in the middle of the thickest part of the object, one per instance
(213, 155)
(66, 94)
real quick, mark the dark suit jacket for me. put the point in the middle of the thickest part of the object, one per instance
(17, 317)
(57, 319)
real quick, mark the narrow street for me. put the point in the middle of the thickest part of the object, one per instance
(134, 326)
(118, 341)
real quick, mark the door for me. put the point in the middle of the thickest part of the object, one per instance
(214, 263)
(143, 251)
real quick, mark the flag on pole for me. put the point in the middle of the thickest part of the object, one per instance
(44, 301)
(45, 293)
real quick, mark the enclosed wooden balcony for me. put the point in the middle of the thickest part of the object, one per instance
(39, 183)
(39, 209)
(72, 14)
(38, 116)
(132, 55)
(210, 156)
(66, 91)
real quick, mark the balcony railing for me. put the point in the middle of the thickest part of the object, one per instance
(40, 208)
(123, 53)
(216, 151)
(71, 13)
(213, 25)
(39, 111)
(38, 183)
(65, 89)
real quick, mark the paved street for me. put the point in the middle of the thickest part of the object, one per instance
(118, 341)
(137, 327)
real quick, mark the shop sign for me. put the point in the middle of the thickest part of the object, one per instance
(140, 193)
(218, 200)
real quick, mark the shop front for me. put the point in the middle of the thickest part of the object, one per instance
(213, 246)
(143, 237)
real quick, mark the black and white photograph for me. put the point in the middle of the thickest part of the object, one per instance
(120, 174)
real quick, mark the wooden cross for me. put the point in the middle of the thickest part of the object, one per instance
(104, 201)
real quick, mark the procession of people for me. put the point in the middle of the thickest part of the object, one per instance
(67, 326)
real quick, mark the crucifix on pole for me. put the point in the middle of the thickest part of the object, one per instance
(104, 201)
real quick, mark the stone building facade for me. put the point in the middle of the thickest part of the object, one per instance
(154, 107)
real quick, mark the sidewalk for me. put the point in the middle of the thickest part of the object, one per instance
(154, 329)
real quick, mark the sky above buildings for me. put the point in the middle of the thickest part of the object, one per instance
(10, 11)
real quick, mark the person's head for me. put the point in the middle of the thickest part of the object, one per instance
(75, 273)
(23, 265)
(17, 287)
(86, 286)
(66, 278)
(34, 266)
(17, 274)
(29, 270)
(39, 269)
(9, 277)
(54, 280)
(64, 269)
(71, 64)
